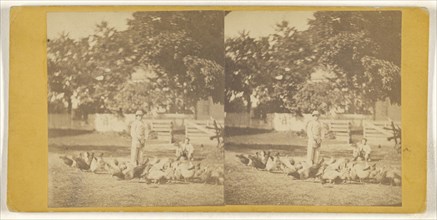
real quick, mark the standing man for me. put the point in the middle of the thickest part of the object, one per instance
(138, 133)
(314, 133)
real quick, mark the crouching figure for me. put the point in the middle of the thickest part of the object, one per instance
(185, 150)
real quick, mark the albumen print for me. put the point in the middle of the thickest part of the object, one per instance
(313, 108)
(135, 105)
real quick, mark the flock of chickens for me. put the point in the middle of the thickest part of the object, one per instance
(152, 170)
(335, 171)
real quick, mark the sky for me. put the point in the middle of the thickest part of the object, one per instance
(82, 24)
(258, 23)
(262, 23)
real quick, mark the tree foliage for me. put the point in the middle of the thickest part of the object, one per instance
(245, 64)
(187, 46)
(270, 69)
(183, 49)
(360, 51)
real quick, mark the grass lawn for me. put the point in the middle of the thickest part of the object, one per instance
(69, 187)
(246, 185)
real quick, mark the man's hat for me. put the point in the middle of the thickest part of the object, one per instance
(315, 113)
(139, 112)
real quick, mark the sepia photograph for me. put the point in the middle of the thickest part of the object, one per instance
(313, 108)
(135, 108)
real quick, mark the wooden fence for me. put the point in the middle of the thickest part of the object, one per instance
(377, 130)
(341, 129)
(163, 129)
(200, 131)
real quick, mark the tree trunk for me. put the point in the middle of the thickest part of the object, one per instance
(69, 105)
(248, 110)
(374, 110)
(249, 103)
(195, 111)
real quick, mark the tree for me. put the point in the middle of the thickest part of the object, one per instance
(185, 50)
(138, 95)
(89, 71)
(67, 77)
(186, 46)
(290, 63)
(245, 67)
(319, 96)
(269, 69)
(362, 50)
(111, 64)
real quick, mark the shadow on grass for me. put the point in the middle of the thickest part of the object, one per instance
(295, 149)
(106, 150)
(229, 132)
(116, 151)
(67, 132)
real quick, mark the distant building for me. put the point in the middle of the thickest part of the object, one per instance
(142, 74)
(204, 108)
(320, 75)
(385, 110)
(207, 108)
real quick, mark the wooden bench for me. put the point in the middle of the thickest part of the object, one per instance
(200, 130)
(163, 129)
(341, 129)
(374, 131)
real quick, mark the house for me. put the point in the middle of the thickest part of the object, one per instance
(207, 108)
(385, 110)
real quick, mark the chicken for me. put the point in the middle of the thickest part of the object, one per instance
(217, 176)
(94, 164)
(185, 171)
(334, 176)
(67, 161)
(154, 160)
(113, 167)
(84, 156)
(244, 160)
(81, 162)
(162, 164)
(375, 175)
(361, 171)
(287, 162)
(352, 174)
(175, 164)
(331, 161)
(134, 172)
(309, 171)
(265, 156)
(322, 169)
(170, 173)
(380, 176)
(117, 170)
(156, 175)
(260, 155)
(338, 164)
(273, 163)
(98, 164)
(288, 166)
(203, 175)
(257, 162)
(145, 160)
(393, 177)
(330, 176)
(118, 175)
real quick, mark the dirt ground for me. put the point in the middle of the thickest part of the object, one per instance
(246, 185)
(69, 187)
